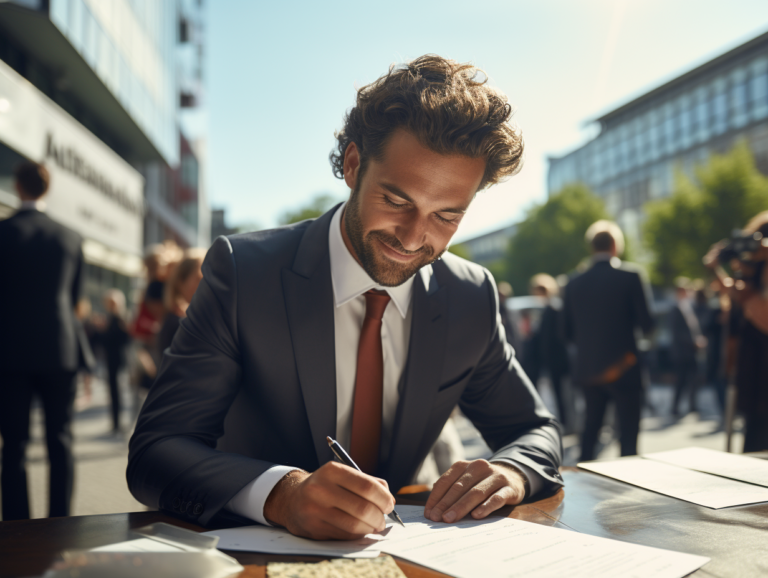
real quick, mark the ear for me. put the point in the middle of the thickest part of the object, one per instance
(351, 165)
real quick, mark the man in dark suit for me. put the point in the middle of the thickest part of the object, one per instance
(39, 347)
(686, 341)
(352, 326)
(603, 308)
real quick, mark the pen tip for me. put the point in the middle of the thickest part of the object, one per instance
(399, 519)
(330, 441)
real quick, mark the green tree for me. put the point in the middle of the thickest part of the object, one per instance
(551, 238)
(726, 192)
(460, 250)
(316, 207)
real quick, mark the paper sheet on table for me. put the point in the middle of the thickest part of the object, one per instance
(695, 487)
(279, 541)
(152, 557)
(507, 548)
(733, 466)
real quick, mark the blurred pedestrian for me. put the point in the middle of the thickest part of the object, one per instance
(747, 255)
(179, 289)
(687, 339)
(603, 308)
(39, 347)
(715, 329)
(158, 262)
(509, 317)
(553, 356)
(114, 340)
(87, 359)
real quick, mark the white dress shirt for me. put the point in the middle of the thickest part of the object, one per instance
(350, 282)
(38, 205)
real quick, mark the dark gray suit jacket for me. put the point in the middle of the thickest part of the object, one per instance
(603, 307)
(685, 331)
(249, 380)
(41, 262)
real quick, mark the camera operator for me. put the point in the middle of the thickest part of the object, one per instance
(746, 255)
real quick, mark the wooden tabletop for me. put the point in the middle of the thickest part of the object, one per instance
(735, 538)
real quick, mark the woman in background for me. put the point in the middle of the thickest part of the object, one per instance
(179, 289)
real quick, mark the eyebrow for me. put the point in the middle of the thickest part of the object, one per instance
(403, 195)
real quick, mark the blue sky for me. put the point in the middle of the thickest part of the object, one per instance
(281, 75)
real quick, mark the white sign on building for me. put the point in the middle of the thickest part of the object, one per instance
(93, 190)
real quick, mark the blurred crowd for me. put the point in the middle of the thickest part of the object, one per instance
(699, 334)
(130, 344)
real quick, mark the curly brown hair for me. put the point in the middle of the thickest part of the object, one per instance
(447, 105)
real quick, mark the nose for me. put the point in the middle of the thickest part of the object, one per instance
(413, 232)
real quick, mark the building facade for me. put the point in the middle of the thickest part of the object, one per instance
(95, 90)
(677, 125)
(489, 249)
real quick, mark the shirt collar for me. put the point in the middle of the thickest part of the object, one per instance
(350, 279)
(37, 205)
(601, 257)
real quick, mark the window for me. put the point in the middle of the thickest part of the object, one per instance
(685, 121)
(668, 129)
(700, 117)
(719, 106)
(739, 97)
(758, 89)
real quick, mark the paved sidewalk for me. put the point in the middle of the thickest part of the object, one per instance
(101, 458)
(658, 430)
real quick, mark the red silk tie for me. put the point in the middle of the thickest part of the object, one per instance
(369, 386)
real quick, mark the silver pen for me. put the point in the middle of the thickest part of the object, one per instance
(344, 458)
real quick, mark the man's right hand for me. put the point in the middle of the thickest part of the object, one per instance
(335, 502)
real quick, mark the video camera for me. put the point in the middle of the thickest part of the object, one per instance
(743, 248)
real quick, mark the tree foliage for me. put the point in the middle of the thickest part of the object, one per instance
(551, 238)
(726, 192)
(316, 207)
(460, 250)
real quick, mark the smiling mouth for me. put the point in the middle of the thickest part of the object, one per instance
(397, 255)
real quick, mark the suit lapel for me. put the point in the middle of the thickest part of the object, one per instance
(421, 378)
(308, 292)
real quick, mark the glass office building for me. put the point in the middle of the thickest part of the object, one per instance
(677, 125)
(98, 84)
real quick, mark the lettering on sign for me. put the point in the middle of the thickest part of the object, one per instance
(68, 159)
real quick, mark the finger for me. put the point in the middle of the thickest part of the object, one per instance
(443, 484)
(475, 472)
(502, 497)
(360, 509)
(475, 497)
(366, 487)
(382, 481)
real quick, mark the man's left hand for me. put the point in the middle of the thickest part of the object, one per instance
(478, 487)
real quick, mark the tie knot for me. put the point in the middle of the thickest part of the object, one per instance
(375, 304)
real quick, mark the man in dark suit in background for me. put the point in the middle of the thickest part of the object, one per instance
(603, 308)
(686, 341)
(40, 352)
(353, 326)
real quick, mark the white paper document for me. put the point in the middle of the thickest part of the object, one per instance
(507, 548)
(677, 482)
(733, 466)
(280, 541)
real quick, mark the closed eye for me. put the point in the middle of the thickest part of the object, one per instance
(391, 203)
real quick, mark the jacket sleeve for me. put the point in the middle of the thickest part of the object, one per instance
(641, 299)
(506, 409)
(172, 462)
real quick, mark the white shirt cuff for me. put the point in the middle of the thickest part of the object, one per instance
(249, 502)
(535, 482)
